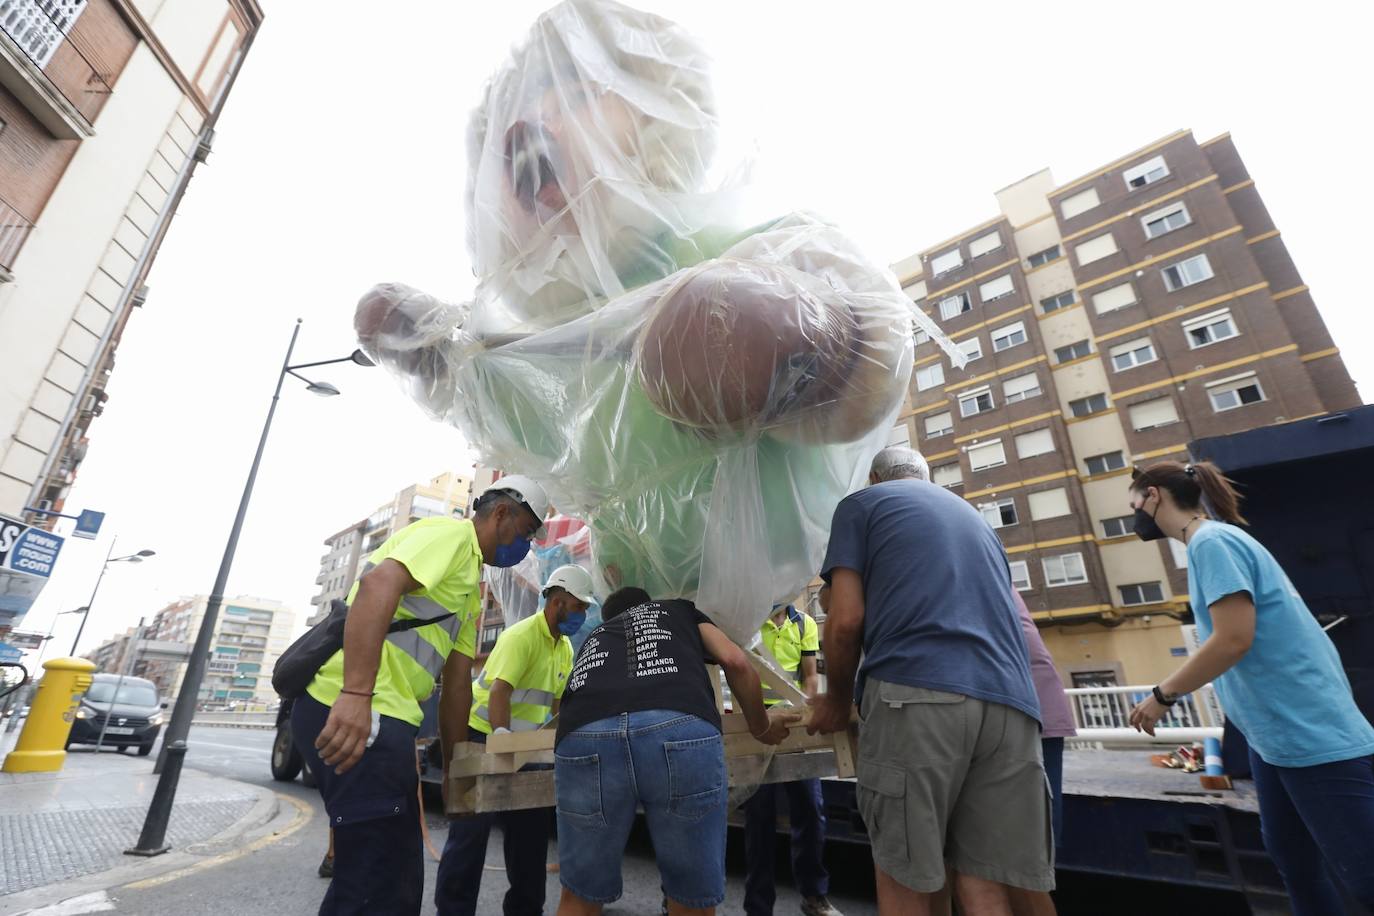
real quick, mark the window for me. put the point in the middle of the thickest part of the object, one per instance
(944, 263)
(1086, 407)
(975, 401)
(1081, 202)
(1044, 257)
(920, 334)
(1117, 297)
(971, 348)
(930, 376)
(947, 475)
(983, 244)
(1231, 393)
(1005, 338)
(1117, 527)
(1152, 413)
(1001, 514)
(996, 288)
(1039, 442)
(988, 455)
(1020, 575)
(1210, 328)
(1021, 387)
(900, 435)
(1095, 249)
(1132, 353)
(1187, 272)
(1065, 569)
(1108, 461)
(1148, 172)
(1049, 503)
(1076, 350)
(1057, 301)
(941, 424)
(1164, 221)
(953, 306)
(1141, 593)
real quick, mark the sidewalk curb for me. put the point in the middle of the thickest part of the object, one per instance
(272, 817)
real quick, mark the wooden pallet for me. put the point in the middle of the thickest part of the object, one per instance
(485, 778)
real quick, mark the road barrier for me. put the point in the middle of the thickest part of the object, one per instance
(1103, 715)
(228, 719)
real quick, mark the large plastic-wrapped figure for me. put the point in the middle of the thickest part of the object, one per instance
(701, 391)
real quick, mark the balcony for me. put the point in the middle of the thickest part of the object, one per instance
(14, 229)
(52, 66)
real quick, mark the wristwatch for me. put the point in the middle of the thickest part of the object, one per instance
(1164, 699)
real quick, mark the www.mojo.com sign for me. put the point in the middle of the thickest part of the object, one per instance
(27, 558)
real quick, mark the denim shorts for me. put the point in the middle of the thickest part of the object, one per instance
(673, 765)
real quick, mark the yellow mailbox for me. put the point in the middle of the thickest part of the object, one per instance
(42, 746)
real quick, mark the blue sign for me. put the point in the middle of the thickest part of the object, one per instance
(9, 653)
(88, 524)
(1178, 651)
(27, 558)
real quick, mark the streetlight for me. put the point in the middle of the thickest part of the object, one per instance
(109, 558)
(152, 841)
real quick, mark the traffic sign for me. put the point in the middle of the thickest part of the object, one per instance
(88, 524)
(9, 653)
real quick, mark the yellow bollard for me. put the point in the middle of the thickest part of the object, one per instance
(42, 746)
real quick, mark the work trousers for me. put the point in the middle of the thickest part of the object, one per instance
(374, 808)
(525, 845)
(806, 812)
(1317, 822)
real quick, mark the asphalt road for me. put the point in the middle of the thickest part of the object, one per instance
(279, 878)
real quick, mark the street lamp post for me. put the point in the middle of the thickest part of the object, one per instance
(109, 558)
(151, 841)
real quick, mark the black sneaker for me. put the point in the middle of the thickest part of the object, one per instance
(326, 869)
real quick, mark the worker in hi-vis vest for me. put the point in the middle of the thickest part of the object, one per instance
(357, 721)
(794, 639)
(518, 690)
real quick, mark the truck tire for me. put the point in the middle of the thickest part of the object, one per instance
(286, 760)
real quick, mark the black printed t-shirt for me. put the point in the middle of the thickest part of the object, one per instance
(650, 657)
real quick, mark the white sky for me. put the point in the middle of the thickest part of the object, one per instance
(340, 163)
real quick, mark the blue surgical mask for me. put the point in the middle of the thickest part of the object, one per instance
(512, 553)
(574, 623)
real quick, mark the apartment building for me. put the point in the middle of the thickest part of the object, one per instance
(106, 109)
(250, 634)
(1109, 321)
(448, 494)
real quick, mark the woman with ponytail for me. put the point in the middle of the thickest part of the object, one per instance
(1280, 682)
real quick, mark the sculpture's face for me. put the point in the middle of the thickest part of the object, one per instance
(586, 153)
(562, 144)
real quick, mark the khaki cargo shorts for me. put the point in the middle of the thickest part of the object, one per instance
(945, 779)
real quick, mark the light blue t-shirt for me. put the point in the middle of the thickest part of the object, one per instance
(1288, 694)
(938, 607)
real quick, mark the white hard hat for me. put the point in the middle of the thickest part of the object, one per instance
(574, 580)
(525, 491)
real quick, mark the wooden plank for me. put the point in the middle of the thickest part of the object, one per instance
(516, 742)
(846, 747)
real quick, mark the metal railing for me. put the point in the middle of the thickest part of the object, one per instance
(48, 33)
(1103, 714)
(236, 719)
(14, 229)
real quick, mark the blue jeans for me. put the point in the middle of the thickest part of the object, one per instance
(1052, 751)
(374, 809)
(671, 763)
(1317, 822)
(525, 843)
(806, 813)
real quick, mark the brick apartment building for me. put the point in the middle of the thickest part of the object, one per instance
(1109, 321)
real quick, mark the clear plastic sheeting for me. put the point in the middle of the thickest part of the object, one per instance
(701, 391)
(517, 590)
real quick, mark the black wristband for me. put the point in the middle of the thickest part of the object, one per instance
(1161, 697)
(359, 693)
